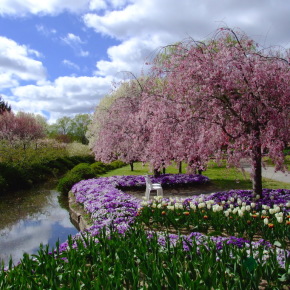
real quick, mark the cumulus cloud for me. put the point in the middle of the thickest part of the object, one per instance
(130, 55)
(144, 18)
(141, 27)
(65, 96)
(53, 7)
(17, 63)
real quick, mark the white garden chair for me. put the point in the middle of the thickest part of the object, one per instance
(152, 186)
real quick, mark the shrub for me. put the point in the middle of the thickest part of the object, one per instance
(98, 168)
(3, 184)
(78, 173)
(117, 164)
(84, 170)
(76, 148)
(66, 183)
(14, 177)
(38, 172)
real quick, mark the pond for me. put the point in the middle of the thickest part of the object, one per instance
(28, 218)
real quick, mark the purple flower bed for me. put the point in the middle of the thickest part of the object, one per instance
(109, 207)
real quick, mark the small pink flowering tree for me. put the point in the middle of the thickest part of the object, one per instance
(237, 94)
(113, 127)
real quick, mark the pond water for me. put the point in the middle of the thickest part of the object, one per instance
(28, 218)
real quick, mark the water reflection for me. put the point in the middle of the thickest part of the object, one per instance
(30, 218)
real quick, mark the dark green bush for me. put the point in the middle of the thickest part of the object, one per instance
(14, 177)
(84, 170)
(98, 168)
(69, 164)
(81, 159)
(117, 164)
(3, 184)
(66, 183)
(56, 163)
(38, 172)
(88, 159)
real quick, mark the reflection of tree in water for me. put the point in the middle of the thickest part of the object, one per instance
(20, 205)
(63, 201)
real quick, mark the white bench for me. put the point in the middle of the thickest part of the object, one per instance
(152, 186)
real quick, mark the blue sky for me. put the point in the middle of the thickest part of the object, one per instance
(59, 57)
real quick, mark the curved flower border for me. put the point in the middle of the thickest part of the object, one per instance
(109, 207)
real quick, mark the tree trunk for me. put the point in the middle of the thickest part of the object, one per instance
(257, 170)
(156, 173)
(180, 167)
(132, 165)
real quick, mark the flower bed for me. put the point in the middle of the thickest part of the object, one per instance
(110, 206)
(235, 212)
(227, 245)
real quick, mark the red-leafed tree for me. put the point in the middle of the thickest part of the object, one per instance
(234, 93)
(21, 127)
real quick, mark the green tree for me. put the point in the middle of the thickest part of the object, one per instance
(4, 107)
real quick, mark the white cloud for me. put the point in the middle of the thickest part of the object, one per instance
(45, 31)
(64, 96)
(72, 39)
(176, 19)
(75, 43)
(98, 5)
(131, 56)
(143, 26)
(53, 7)
(17, 63)
(70, 64)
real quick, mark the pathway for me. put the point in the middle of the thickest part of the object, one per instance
(269, 172)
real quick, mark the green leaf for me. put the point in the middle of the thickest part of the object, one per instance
(250, 263)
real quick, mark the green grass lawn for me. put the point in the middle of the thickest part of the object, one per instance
(221, 177)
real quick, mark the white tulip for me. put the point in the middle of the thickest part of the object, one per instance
(279, 219)
(272, 211)
(192, 206)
